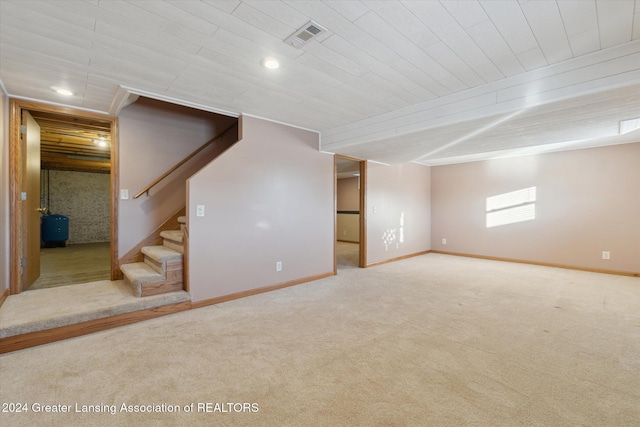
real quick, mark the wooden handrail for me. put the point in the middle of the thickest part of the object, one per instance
(182, 162)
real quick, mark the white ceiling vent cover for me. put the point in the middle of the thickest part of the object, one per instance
(306, 33)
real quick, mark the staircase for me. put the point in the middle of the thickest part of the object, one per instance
(162, 269)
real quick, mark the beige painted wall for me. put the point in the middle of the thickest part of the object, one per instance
(348, 194)
(4, 190)
(153, 137)
(348, 199)
(267, 199)
(588, 201)
(398, 208)
(348, 227)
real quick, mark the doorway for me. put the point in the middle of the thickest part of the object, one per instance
(350, 234)
(70, 144)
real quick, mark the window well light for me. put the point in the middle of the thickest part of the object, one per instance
(270, 63)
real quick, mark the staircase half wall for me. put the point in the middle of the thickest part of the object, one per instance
(268, 199)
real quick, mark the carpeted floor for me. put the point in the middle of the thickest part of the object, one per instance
(66, 305)
(433, 340)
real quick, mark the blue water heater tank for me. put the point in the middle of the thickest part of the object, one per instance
(55, 230)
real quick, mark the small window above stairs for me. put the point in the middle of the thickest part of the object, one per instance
(163, 268)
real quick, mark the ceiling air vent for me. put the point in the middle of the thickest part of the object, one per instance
(303, 35)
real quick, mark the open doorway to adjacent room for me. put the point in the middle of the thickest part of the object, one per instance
(62, 169)
(75, 163)
(350, 245)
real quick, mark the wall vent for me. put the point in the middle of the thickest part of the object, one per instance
(309, 31)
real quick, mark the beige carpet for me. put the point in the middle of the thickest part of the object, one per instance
(66, 305)
(428, 341)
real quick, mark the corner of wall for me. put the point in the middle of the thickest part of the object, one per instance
(398, 211)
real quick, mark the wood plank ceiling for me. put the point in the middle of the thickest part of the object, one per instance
(386, 75)
(73, 143)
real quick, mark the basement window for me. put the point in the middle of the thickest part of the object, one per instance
(509, 208)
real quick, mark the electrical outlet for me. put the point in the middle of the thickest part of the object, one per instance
(444, 241)
(606, 255)
(279, 266)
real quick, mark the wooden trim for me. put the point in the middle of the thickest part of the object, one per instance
(335, 216)
(32, 339)
(347, 241)
(544, 264)
(256, 291)
(362, 261)
(135, 254)
(185, 259)
(354, 159)
(182, 162)
(14, 199)
(3, 296)
(398, 258)
(362, 250)
(116, 274)
(15, 155)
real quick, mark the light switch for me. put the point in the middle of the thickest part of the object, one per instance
(199, 210)
(124, 194)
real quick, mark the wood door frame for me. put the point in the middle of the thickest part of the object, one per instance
(15, 157)
(362, 251)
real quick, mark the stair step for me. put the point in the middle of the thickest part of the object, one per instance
(173, 235)
(173, 239)
(182, 219)
(159, 256)
(139, 274)
(161, 253)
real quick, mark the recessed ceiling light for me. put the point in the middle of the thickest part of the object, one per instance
(61, 91)
(270, 63)
(102, 142)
